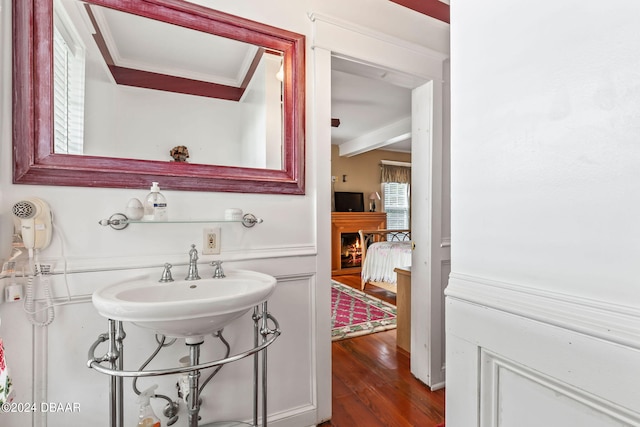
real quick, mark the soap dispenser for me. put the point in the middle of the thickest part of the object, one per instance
(147, 417)
(155, 205)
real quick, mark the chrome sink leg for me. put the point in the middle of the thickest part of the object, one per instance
(256, 335)
(114, 356)
(264, 331)
(121, 335)
(114, 401)
(193, 401)
(261, 329)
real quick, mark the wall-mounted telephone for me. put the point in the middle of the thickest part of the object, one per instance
(33, 220)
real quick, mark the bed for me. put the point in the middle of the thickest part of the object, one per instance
(382, 252)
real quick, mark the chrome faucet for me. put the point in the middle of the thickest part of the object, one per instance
(192, 274)
(166, 274)
(218, 272)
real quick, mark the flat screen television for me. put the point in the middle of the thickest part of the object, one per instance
(346, 201)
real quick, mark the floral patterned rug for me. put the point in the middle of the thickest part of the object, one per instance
(355, 313)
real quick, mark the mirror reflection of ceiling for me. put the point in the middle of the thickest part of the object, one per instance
(221, 98)
(145, 44)
(373, 106)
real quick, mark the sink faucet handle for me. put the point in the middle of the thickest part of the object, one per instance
(166, 274)
(218, 272)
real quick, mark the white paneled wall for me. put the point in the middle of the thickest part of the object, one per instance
(543, 308)
(533, 356)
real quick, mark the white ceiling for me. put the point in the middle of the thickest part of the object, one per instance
(373, 105)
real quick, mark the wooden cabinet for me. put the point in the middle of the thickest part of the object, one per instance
(345, 258)
(403, 304)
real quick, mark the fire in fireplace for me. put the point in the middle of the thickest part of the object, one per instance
(350, 250)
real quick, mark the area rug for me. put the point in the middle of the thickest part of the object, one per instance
(355, 313)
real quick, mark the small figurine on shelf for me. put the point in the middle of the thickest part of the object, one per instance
(179, 153)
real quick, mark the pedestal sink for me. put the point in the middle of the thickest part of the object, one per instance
(184, 309)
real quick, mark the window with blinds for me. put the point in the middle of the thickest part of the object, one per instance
(396, 205)
(68, 93)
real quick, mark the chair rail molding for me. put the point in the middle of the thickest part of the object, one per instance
(78, 264)
(615, 323)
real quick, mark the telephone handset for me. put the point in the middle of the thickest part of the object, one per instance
(33, 217)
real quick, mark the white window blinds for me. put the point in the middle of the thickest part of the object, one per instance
(68, 94)
(396, 205)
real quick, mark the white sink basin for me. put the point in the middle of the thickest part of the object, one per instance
(184, 308)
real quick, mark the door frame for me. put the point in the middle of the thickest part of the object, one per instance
(336, 38)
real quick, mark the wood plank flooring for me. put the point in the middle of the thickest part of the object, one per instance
(372, 383)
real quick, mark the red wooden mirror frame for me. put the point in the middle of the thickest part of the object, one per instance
(35, 162)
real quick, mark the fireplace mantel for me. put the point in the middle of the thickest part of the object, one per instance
(351, 222)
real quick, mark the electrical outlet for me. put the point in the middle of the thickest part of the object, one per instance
(211, 241)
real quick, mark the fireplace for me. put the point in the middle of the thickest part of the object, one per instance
(346, 251)
(350, 250)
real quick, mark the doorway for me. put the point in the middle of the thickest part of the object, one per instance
(424, 68)
(371, 124)
(411, 129)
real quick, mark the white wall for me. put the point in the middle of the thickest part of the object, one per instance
(261, 124)
(543, 304)
(132, 122)
(293, 244)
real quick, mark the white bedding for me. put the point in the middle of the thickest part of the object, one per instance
(382, 258)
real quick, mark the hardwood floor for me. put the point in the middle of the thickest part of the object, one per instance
(372, 384)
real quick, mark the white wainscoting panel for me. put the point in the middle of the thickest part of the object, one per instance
(514, 395)
(521, 357)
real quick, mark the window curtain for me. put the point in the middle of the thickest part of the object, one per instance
(393, 173)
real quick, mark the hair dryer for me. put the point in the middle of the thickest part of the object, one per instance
(34, 217)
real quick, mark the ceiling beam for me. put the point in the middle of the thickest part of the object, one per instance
(157, 81)
(433, 8)
(379, 138)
